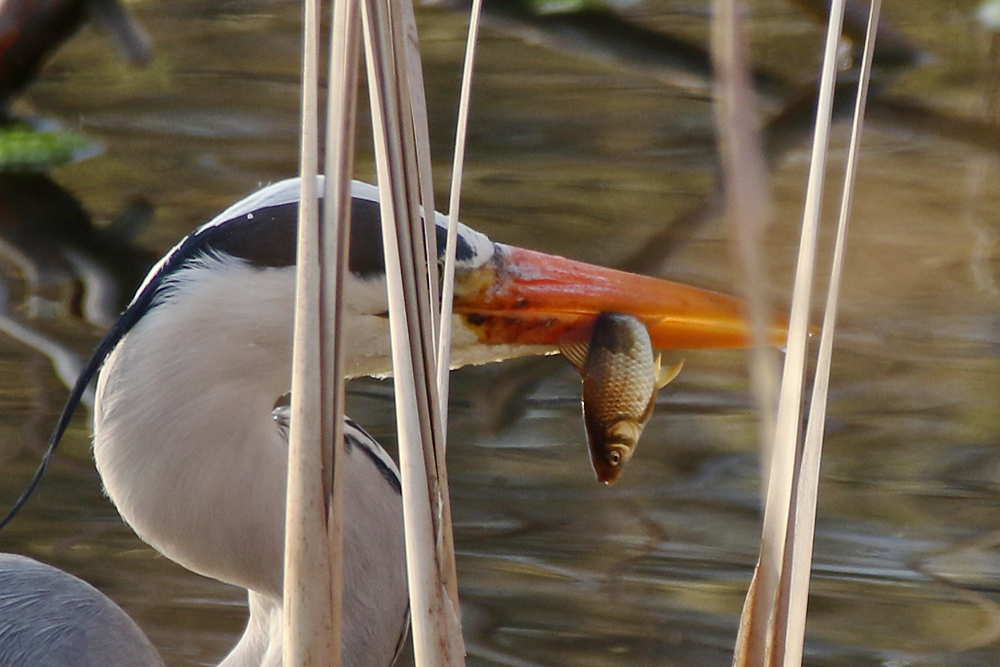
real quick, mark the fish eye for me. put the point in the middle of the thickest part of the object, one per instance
(615, 457)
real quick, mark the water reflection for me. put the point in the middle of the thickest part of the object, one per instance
(30, 31)
(556, 570)
(59, 267)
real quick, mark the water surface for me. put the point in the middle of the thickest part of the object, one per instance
(578, 157)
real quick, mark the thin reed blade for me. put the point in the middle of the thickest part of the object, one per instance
(389, 32)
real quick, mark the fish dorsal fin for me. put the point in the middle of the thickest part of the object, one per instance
(575, 353)
(664, 375)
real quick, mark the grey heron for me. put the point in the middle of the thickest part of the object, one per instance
(190, 435)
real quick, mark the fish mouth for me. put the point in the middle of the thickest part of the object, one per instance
(525, 297)
(609, 461)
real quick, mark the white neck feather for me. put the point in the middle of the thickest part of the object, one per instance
(183, 435)
(189, 453)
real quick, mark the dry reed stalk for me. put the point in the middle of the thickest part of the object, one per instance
(430, 555)
(425, 254)
(772, 627)
(345, 57)
(746, 199)
(457, 166)
(779, 511)
(314, 511)
(408, 41)
(807, 488)
(747, 210)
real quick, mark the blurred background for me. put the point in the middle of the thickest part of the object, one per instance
(591, 136)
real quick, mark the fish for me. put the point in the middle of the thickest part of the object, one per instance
(620, 380)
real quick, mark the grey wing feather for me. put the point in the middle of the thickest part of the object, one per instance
(49, 618)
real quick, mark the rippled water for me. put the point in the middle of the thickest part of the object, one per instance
(591, 160)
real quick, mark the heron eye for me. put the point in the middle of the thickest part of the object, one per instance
(614, 458)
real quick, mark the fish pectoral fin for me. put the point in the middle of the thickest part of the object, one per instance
(665, 375)
(575, 353)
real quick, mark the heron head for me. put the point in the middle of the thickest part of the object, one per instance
(508, 301)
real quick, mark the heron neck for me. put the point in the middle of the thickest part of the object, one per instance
(261, 643)
(183, 435)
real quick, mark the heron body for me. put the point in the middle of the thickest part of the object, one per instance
(190, 436)
(53, 619)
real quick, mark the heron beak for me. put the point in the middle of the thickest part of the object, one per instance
(530, 298)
